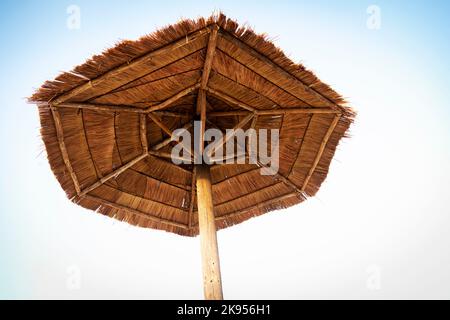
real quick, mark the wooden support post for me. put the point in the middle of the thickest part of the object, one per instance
(212, 281)
(201, 109)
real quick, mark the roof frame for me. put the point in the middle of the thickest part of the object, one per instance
(157, 109)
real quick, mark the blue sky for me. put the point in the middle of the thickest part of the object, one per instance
(385, 202)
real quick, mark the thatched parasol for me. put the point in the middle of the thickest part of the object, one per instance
(107, 128)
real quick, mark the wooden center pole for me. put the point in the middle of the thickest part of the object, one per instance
(212, 281)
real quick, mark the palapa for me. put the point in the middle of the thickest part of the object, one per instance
(107, 128)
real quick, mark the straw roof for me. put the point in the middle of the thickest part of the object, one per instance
(106, 124)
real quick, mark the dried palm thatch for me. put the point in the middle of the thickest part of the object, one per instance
(106, 125)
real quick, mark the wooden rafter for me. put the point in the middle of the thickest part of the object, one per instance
(113, 174)
(128, 108)
(63, 149)
(153, 201)
(135, 109)
(115, 73)
(283, 111)
(167, 130)
(172, 114)
(252, 126)
(254, 121)
(143, 132)
(142, 83)
(167, 155)
(101, 107)
(228, 136)
(236, 157)
(201, 98)
(321, 150)
(209, 56)
(136, 212)
(166, 141)
(228, 113)
(275, 73)
(230, 99)
(193, 192)
(160, 124)
(173, 99)
(201, 109)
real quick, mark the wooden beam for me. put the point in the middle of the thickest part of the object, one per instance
(160, 124)
(168, 131)
(272, 72)
(237, 157)
(321, 150)
(284, 111)
(193, 192)
(63, 149)
(228, 136)
(227, 113)
(173, 99)
(113, 174)
(143, 132)
(201, 109)
(172, 114)
(153, 201)
(142, 64)
(135, 212)
(254, 121)
(259, 205)
(230, 99)
(166, 141)
(167, 155)
(252, 126)
(132, 109)
(212, 280)
(101, 107)
(209, 56)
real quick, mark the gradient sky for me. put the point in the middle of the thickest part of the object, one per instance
(383, 212)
